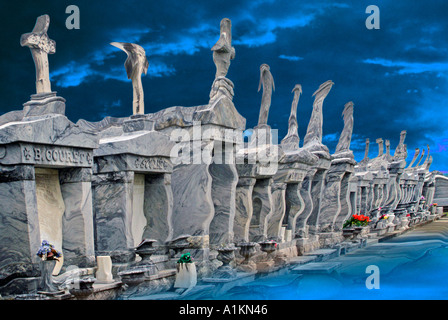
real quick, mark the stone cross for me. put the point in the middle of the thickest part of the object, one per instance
(346, 135)
(314, 130)
(267, 80)
(223, 51)
(41, 46)
(292, 140)
(135, 65)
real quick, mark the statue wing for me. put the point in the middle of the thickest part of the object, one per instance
(145, 65)
(128, 65)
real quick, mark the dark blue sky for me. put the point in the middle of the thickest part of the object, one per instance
(396, 76)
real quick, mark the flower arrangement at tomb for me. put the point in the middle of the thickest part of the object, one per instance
(357, 220)
(186, 276)
(48, 252)
(185, 258)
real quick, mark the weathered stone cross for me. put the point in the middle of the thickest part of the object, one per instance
(41, 46)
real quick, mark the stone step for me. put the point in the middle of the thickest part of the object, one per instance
(170, 295)
(317, 268)
(323, 254)
(162, 274)
(238, 276)
(302, 260)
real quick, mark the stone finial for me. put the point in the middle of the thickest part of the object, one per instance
(346, 135)
(428, 164)
(314, 130)
(223, 51)
(388, 156)
(417, 151)
(292, 140)
(380, 147)
(401, 152)
(421, 157)
(135, 65)
(427, 156)
(267, 80)
(402, 136)
(41, 46)
(366, 152)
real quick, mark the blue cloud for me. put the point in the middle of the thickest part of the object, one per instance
(74, 73)
(266, 32)
(290, 58)
(71, 75)
(405, 67)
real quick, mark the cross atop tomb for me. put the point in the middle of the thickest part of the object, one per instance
(41, 46)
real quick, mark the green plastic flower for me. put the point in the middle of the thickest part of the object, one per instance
(185, 258)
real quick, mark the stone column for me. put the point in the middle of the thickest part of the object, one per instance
(419, 189)
(286, 192)
(305, 193)
(346, 209)
(371, 197)
(113, 195)
(243, 209)
(330, 202)
(362, 180)
(193, 207)
(317, 188)
(335, 198)
(77, 224)
(395, 172)
(278, 210)
(359, 190)
(225, 179)
(19, 230)
(262, 209)
(364, 199)
(294, 206)
(385, 193)
(376, 195)
(158, 207)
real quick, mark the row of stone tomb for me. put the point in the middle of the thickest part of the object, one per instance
(99, 189)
